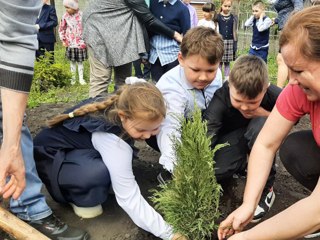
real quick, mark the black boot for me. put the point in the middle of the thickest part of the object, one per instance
(55, 229)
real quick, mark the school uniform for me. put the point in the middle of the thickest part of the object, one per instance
(228, 31)
(47, 21)
(227, 125)
(260, 38)
(181, 97)
(79, 159)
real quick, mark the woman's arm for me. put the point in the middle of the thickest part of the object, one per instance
(141, 10)
(294, 222)
(117, 156)
(260, 162)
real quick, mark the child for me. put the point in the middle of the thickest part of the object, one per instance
(193, 13)
(260, 24)
(195, 79)
(236, 114)
(90, 147)
(208, 10)
(70, 33)
(46, 23)
(164, 51)
(142, 66)
(228, 29)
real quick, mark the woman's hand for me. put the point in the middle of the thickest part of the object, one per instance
(236, 221)
(178, 37)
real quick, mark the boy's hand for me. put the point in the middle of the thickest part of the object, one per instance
(178, 37)
(263, 13)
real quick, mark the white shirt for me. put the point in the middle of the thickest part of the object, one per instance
(210, 24)
(117, 156)
(180, 97)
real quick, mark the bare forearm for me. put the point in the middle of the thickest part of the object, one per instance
(296, 221)
(258, 172)
(14, 105)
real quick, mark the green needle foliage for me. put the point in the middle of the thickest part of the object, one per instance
(190, 201)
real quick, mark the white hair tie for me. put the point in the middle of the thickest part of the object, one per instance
(71, 115)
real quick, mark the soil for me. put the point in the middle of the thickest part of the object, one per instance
(114, 223)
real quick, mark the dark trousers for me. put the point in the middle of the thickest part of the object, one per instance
(263, 53)
(157, 70)
(45, 47)
(139, 73)
(69, 166)
(300, 155)
(232, 159)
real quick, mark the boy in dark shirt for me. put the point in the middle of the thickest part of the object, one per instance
(236, 114)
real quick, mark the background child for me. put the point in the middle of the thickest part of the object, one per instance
(260, 24)
(236, 114)
(46, 22)
(193, 13)
(164, 51)
(195, 79)
(228, 29)
(70, 33)
(82, 154)
(208, 19)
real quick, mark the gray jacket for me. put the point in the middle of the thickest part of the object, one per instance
(285, 8)
(115, 30)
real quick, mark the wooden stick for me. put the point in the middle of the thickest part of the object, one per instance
(18, 228)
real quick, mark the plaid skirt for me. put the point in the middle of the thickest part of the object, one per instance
(76, 54)
(228, 55)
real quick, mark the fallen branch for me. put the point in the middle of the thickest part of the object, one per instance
(18, 228)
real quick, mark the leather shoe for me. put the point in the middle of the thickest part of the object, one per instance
(55, 229)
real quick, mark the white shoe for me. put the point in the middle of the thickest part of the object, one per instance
(87, 212)
(73, 81)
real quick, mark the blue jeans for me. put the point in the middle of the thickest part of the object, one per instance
(31, 205)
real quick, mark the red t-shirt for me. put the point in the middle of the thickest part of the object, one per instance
(292, 104)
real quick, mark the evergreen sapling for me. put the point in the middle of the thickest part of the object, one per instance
(190, 201)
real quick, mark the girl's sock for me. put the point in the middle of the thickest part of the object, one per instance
(80, 72)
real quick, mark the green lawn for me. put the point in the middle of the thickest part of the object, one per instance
(76, 93)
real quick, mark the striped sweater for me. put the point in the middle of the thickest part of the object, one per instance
(18, 42)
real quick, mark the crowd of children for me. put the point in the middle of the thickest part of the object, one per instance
(190, 61)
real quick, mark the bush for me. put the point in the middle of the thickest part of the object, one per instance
(48, 75)
(190, 201)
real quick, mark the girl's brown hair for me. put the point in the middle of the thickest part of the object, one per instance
(140, 100)
(303, 31)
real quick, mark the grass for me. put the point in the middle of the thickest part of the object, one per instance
(77, 92)
(70, 93)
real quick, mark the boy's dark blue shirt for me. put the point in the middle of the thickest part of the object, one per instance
(223, 118)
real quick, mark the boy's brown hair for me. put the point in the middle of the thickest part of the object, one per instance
(249, 76)
(205, 42)
(259, 4)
